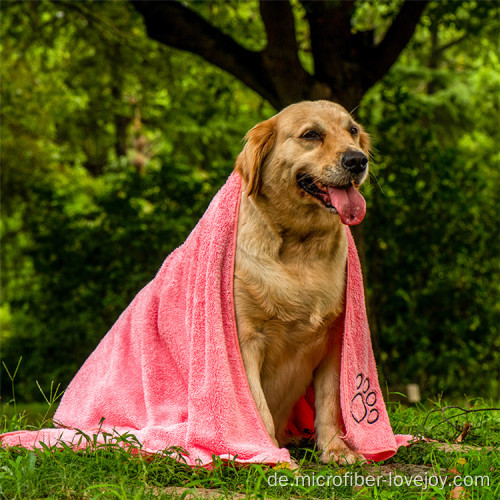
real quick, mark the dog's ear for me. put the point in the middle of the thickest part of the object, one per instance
(259, 143)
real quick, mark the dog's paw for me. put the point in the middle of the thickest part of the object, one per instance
(338, 452)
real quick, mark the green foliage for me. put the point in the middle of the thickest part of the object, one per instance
(431, 228)
(113, 146)
(109, 183)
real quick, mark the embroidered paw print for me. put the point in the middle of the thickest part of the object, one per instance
(363, 402)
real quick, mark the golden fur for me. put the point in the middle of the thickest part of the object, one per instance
(290, 266)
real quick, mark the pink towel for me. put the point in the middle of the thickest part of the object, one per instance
(367, 426)
(170, 370)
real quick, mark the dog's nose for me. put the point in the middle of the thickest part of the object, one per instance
(354, 161)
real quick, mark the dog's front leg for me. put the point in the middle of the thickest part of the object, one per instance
(252, 352)
(328, 421)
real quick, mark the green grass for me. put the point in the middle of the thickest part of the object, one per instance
(116, 472)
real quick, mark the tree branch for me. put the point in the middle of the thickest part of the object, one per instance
(448, 45)
(173, 24)
(385, 54)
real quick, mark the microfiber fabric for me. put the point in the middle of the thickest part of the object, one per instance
(170, 372)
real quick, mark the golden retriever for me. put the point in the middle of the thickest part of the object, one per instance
(301, 170)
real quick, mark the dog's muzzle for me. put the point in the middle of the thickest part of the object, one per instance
(342, 197)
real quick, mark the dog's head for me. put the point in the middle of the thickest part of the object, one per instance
(311, 158)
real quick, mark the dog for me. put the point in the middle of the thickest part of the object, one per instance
(301, 171)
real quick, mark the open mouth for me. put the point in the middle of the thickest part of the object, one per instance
(344, 200)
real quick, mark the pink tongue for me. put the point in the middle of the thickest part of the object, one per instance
(349, 203)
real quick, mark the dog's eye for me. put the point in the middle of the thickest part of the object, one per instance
(311, 135)
(354, 131)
